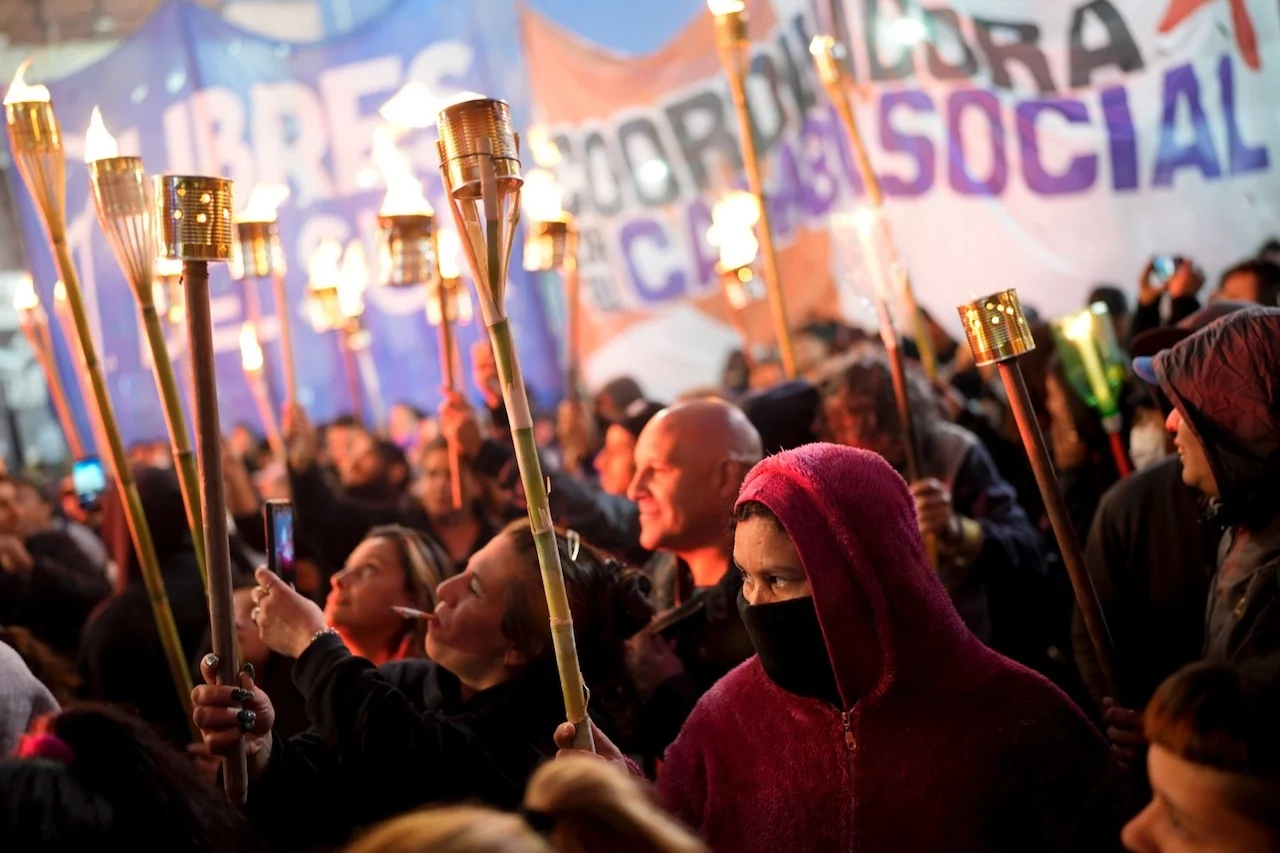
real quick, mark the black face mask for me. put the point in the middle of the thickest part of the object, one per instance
(789, 641)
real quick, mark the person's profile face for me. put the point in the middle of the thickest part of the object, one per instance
(466, 636)
(1196, 471)
(672, 490)
(767, 560)
(436, 484)
(1191, 812)
(370, 584)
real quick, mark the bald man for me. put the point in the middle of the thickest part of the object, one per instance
(690, 460)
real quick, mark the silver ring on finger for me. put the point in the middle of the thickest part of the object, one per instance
(254, 614)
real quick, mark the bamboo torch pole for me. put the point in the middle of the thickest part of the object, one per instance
(830, 57)
(734, 46)
(124, 213)
(193, 218)
(480, 161)
(35, 140)
(35, 326)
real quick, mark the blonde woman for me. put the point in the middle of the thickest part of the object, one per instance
(573, 805)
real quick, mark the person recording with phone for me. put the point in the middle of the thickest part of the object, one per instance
(471, 723)
(1177, 278)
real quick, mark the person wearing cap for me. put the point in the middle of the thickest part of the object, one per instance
(1222, 383)
(1148, 552)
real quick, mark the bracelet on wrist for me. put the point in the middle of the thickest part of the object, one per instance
(318, 634)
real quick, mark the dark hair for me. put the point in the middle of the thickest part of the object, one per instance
(1266, 272)
(608, 601)
(1114, 298)
(122, 783)
(753, 509)
(1220, 717)
(346, 419)
(865, 371)
(161, 499)
(49, 668)
(390, 453)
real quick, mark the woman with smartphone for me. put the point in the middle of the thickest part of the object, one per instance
(471, 723)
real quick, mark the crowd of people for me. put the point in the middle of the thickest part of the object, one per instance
(800, 627)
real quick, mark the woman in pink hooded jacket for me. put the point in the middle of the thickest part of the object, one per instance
(871, 719)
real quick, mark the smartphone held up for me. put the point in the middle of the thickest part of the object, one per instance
(277, 518)
(90, 480)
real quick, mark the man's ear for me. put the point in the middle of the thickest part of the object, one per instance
(727, 477)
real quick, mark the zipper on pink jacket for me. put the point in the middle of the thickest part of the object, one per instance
(849, 742)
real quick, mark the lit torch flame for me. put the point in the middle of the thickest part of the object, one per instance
(264, 201)
(1079, 327)
(167, 267)
(405, 194)
(542, 197)
(99, 144)
(417, 106)
(323, 271)
(250, 351)
(24, 296)
(725, 7)
(353, 278)
(732, 229)
(545, 152)
(449, 250)
(20, 93)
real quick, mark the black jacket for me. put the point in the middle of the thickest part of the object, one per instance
(391, 739)
(1150, 559)
(1225, 382)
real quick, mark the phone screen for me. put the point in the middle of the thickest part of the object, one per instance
(278, 518)
(90, 481)
(1163, 267)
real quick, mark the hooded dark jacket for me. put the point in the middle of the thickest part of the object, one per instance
(1225, 382)
(943, 744)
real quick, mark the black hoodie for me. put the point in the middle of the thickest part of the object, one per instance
(1225, 381)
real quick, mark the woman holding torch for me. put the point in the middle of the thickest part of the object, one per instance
(471, 723)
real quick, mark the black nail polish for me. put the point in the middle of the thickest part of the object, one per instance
(211, 661)
(247, 720)
(247, 669)
(238, 695)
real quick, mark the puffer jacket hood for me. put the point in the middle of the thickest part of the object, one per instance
(1225, 381)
